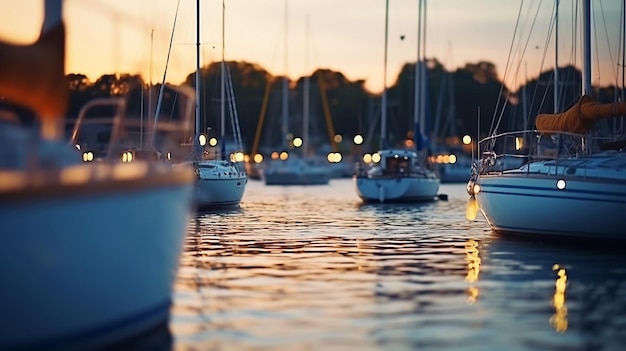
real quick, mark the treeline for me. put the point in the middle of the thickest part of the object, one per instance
(458, 102)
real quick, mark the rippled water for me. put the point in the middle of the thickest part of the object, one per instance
(312, 268)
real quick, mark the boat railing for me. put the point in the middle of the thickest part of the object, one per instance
(162, 136)
(511, 150)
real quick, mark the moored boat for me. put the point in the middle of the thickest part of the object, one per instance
(90, 248)
(572, 183)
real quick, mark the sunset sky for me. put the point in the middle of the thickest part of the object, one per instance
(114, 36)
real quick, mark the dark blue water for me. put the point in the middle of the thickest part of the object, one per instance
(312, 268)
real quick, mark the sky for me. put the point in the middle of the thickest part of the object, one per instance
(133, 36)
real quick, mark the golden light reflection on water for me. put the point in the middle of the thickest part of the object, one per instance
(559, 318)
(473, 268)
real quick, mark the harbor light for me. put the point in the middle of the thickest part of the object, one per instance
(560, 184)
(467, 139)
(452, 158)
(284, 155)
(239, 156)
(258, 158)
(367, 158)
(358, 139)
(127, 156)
(88, 156)
(297, 142)
(213, 141)
(376, 158)
(202, 139)
(275, 155)
(334, 157)
(519, 143)
(338, 138)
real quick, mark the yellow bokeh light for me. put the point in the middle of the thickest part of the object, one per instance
(202, 139)
(376, 158)
(275, 155)
(297, 142)
(239, 156)
(338, 138)
(213, 141)
(519, 143)
(258, 158)
(367, 158)
(467, 139)
(334, 157)
(284, 155)
(559, 319)
(88, 156)
(358, 139)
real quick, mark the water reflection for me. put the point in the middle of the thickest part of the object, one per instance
(559, 319)
(315, 269)
(473, 268)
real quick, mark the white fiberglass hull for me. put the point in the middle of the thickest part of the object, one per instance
(84, 265)
(396, 189)
(219, 184)
(219, 192)
(533, 205)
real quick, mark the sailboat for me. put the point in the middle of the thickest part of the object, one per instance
(573, 184)
(89, 250)
(220, 182)
(400, 175)
(294, 169)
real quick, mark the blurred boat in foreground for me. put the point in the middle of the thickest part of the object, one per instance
(90, 249)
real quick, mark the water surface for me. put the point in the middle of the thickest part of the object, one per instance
(312, 268)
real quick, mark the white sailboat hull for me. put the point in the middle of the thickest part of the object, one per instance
(83, 265)
(591, 205)
(219, 192)
(218, 184)
(396, 189)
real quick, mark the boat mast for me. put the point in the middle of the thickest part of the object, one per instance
(586, 78)
(383, 119)
(197, 132)
(285, 92)
(222, 87)
(556, 57)
(157, 113)
(422, 80)
(586, 65)
(419, 108)
(305, 103)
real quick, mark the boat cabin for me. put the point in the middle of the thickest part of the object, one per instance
(397, 162)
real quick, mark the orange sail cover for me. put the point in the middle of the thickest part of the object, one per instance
(580, 117)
